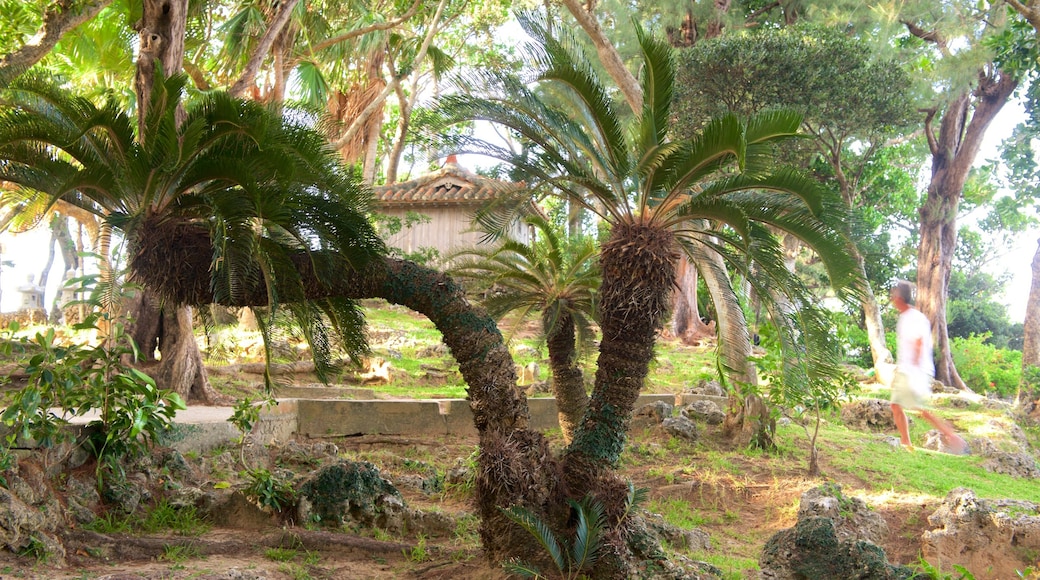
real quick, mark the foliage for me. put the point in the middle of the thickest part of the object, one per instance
(269, 490)
(247, 412)
(718, 196)
(974, 309)
(805, 395)
(72, 380)
(554, 275)
(930, 572)
(573, 560)
(986, 368)
(241, 188)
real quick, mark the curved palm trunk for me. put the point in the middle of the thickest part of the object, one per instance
(568, 384)
(515, 465)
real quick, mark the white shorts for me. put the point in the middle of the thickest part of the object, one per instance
(911, 389)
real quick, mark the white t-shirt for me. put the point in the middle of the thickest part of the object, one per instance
(913, 324)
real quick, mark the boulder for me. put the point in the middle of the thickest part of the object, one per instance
(812, 550)
(651, 414)
(351, 492)
(1013, 464)
(868, 415)
(706, 387)
(681, 427)
(991, 539)
(707, 411)
(853, 519)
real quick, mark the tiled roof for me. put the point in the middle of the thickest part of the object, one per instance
(451, 185)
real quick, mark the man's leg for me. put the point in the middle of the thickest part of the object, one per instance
(904, 431)
(954, 441)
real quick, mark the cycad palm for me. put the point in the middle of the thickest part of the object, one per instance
(556, 277)
(712, 196)
(219, 207)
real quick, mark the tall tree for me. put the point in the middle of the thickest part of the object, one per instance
(852, 102)
(1016, 49)
(964, 115)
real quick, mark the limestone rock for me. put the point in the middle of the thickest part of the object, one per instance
(811, 549)
(989, 538)
(707, 411)
(705, 387)
(352, 492)
(651, 414)
(1013, 464)
(853, 519)
(868, 415)
(681, 427)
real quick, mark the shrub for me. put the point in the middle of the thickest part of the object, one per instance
(986, 368)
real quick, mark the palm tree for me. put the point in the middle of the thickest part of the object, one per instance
(716, 197)
(234, 182)
(551, 275)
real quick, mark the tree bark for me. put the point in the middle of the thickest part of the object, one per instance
(568, 384)
(162, 28)
(638, 265)
(60, 18)
(953, 151)
(608, 55)
(1031, 329)
(686, 317)
(161, 32)
(181, 368)
(263, 48)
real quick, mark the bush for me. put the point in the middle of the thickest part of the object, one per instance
(986, 368)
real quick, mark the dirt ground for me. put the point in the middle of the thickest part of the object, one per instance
(739, 513)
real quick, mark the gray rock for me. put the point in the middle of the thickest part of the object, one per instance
(437, 350)
(853, 519)
(681, 427)
(706, 387)
(812, 549)
(351, 492)
(707, 411)
(651, 415)
(982, 534)
(1013, 464)
(691, 539)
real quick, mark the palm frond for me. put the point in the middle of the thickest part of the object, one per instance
(540, 531)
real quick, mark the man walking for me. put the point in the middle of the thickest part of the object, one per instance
(911, 385)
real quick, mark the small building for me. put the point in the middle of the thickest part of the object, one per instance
(450, 197)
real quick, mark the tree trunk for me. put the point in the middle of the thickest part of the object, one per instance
(161, 29)
(686, 317)
(1031, 329)
(46, 273)
(748, 419)
(608, 55)
(953, 151)
(875, 327)
(274, 28)
(181, 369)
(161, 32)
(568, 384)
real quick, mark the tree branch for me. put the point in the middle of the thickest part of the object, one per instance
(928, 36)
(1028, 11)
(608, 56)
(362, 31)
(59, 19)
(933, 145)
(359, 122)
(273, 30)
